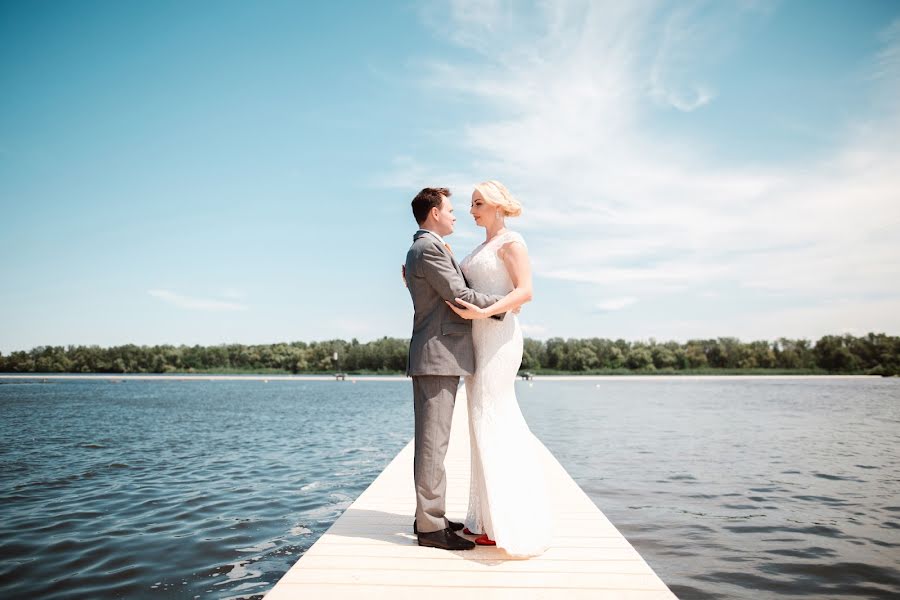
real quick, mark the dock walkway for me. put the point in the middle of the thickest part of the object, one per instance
(371, 552)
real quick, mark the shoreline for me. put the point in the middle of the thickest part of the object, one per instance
(198, 377)
(355, 378)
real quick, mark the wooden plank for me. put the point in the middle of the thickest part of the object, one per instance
(295, 591)
(465, 577)
(371, 552)
(480, 563)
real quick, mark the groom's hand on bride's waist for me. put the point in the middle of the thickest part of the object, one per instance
(467, 310)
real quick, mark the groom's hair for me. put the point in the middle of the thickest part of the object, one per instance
(427, 199)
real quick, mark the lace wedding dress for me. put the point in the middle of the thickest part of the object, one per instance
(507, 495)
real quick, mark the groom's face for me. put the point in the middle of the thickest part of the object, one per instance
(445, 220)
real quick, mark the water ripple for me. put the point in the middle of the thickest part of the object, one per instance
(181, 489)
(796, 496)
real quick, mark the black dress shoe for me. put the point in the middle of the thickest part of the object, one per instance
(454, 526)
(445, 539)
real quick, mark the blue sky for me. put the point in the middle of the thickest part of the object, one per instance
(211, 172)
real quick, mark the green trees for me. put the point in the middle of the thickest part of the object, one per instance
(532, 354)
(581, 356)
(874, 353)
(639, 358)
(793, 354)
(695, 356)
(834, 353)
(667, 356)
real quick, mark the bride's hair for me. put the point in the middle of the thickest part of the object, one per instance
(496, 194)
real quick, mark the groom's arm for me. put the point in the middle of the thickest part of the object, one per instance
(440, 274)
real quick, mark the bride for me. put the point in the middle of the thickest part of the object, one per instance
(508, 504)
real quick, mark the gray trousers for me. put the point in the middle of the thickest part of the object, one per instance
(433, 399)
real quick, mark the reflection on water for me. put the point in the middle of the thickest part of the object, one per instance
(181, 489)
(729, 488)
(736, 488)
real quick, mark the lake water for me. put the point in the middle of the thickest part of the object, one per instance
(728, 488)
(740, 489)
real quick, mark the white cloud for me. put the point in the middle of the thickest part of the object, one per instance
(465, 234)
(685, 101)
(887, 65)
(616, 304)
(682, 42)
(533, 330)
(477, 15)
(412, 175)
(834, 316)
(233, 294)
(192, 303)
(611, 205)
(807, 322)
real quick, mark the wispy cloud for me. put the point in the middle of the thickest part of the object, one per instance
(887, 65)
(193, 303)
(615, 304)
(412, 175)
(672, 81)
(610, 203)
(233, 294)
(534, 330)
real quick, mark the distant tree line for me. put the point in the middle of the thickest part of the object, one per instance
(876, 354)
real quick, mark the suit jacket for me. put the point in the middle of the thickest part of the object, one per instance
(441, 341)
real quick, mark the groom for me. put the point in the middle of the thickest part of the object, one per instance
(440, 351)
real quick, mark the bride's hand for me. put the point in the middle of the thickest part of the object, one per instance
(469, 312)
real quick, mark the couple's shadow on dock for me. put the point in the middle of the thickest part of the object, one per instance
(392, 528)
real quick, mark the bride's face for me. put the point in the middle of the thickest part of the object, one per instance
(481, 211)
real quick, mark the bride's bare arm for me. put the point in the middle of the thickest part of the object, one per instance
(515, 259)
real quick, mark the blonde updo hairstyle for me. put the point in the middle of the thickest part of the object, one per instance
(496, 194)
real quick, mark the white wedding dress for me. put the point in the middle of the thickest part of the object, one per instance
(508, 499)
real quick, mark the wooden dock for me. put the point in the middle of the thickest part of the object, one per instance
(371, 552)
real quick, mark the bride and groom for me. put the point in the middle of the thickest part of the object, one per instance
(465, 325)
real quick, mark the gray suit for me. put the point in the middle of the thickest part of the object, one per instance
(440, 351)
